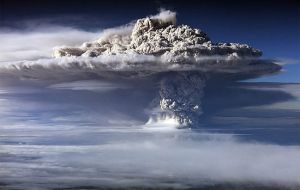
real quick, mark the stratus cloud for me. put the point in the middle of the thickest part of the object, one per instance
(138, 159)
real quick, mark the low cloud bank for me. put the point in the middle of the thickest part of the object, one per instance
(176, 159)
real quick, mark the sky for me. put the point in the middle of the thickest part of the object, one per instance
(271, 26)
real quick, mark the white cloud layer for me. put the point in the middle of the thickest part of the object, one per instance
(172, 159)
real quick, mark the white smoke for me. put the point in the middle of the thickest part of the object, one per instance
(165, 16)
(36, 43)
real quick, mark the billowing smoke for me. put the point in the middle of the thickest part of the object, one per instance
(159, 36)
(179, 58)
(179, 98)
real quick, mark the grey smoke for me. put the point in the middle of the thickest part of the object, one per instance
(90, 85)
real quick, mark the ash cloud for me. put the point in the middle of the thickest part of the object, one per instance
(153, 44)
(151, 47)
(158, 35)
